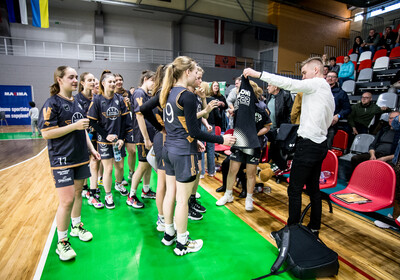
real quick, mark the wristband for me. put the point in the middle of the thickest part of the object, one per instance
(338, 116)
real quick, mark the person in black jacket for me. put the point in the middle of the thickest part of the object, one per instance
(280, 104)
(342, 106)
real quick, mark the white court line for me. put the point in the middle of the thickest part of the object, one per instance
(25, 160)
(45, 253)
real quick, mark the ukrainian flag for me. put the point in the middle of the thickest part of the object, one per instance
(40, 13)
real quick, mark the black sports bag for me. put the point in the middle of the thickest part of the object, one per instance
(305, 254)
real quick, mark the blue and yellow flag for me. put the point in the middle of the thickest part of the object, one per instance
(40, 13)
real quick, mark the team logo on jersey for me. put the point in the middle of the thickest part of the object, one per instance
(66, 107)
(103, 103)
(76, 117)
(112, 113)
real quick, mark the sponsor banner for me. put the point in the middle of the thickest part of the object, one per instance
(14, 102)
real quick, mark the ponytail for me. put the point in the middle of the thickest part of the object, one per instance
(59, 73)
(173, 72)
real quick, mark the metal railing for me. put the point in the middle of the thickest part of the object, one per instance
(90, 52)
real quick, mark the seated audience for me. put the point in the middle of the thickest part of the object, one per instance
(332, 65)
(342, 106)
(388, 39)
(326, 70)
(358, 45)
(395, 163)
(280, 104)
(383, 147)
(372, 41)
(363, 112)
(346, 71)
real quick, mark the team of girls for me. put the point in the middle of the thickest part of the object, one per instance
(65, 121)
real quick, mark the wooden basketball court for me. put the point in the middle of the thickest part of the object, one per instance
(29, 204)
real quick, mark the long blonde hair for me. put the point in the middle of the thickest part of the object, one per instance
(158, 78)
(173, 72)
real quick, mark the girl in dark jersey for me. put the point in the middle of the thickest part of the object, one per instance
(96, 91)
(107, 113)
(129, 142)
(180, 150)
(143, 135)
(262, 124)
(63, 124)
(84, 97)
(152, 112)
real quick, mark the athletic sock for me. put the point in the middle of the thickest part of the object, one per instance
(62, 234)
(132, 192)
(182, 237)
(108, 194)
(169, 229)
(228, 192)
(249, 195)
(146, 188)
(161, 217)
(76, 221)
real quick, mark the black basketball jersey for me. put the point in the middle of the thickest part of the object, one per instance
(199, 108)
(85, 102)
(138, 98)
(71, 149)
(178, 140)
(108, 113)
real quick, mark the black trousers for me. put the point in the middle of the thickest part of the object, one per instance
(241, 175)
(274, 151)
(357, 159)
(306, 170)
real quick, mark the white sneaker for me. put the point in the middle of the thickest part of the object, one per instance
(120, 187)
(109, 202)
(223, 200)
(198, 195)
(130, 175)
(79, 231)
(124, 182)
(201, 176)
(249, 204)
(160, 224)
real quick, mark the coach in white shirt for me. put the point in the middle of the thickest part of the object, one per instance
(317, 110)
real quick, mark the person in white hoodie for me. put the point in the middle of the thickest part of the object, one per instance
(317, 110)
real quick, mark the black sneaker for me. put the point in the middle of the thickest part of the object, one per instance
(191, 246)
(195, 204)
(149, 194)
(168, 240)
(194, 215)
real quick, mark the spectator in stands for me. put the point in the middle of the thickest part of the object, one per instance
(372, 41)
(342, 106)
(280, 104)
(383, 147)
(332, 65)
(326, 70)
(346, 71)
(397, 39)
(395, 163)
(222, 106)
(296, 109)
(363, 112)
(324, 58)
(230, 100)
(388, 39)
(358, 45)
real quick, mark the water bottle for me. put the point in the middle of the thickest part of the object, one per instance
(322, 179)
(117, 152)
(327, 174)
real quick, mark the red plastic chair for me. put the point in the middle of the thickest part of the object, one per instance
(380, 53)
(220, 147)
(330, 164)
(355, 65)
(340, 143)
(372, 179)
(365, 64)
(349, 53)
(395, 53)
(397, 28)
(340, 59)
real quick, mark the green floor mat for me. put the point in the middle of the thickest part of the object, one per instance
(126, 245)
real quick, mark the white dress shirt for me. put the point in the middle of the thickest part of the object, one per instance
(317, 106)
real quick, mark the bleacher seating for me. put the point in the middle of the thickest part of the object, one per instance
(367, 63)
(340, 60)
(353, 57)
(365, 55)
(365, 75)
(395, 53)
(387, 99)
(381, 63)
(349, 86)
(380, 53)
